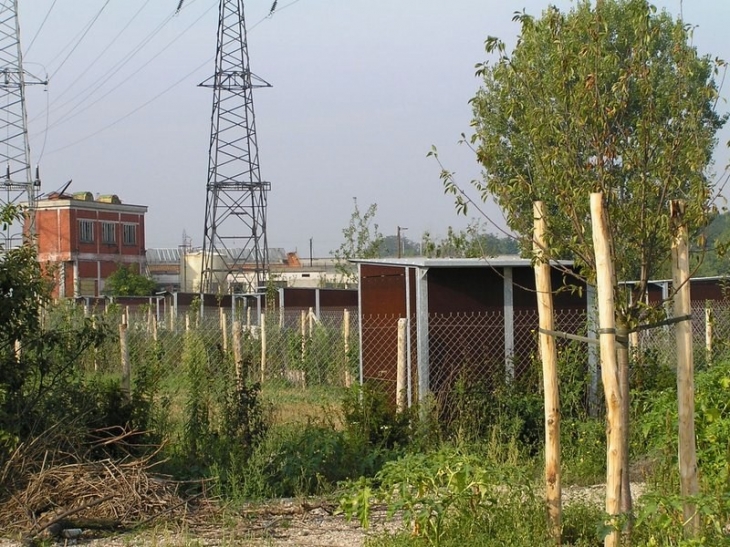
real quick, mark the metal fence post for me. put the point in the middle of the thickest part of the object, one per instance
(509, 326)
(422, 337)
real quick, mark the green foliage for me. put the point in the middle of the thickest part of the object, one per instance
(126, 282)
(449, 494)
(362, 239)
(714, 262)
(40, 385)
(369, 415)
(656, 414)
(473, 242)
(661, 520)
(312, 458)
(610, 97)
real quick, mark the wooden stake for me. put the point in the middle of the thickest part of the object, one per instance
(400, 383)
(549, 356)
(303, 332)
(709, 321)
(154, 328)
(263, 346)
(237, 356)
(346, 339)
(126, 367)
(224, 328)
(609, 367)
(685, 369)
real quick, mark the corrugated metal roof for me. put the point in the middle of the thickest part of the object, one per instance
(422, 262)
(172, 255)
(163, 256)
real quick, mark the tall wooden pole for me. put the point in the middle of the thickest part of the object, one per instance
(609, 367)
(549, 357)
(685, 368)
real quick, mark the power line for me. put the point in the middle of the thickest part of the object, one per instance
(134, 111)
(70, 115)
(102, 53)
(37, 32)
(101, 80)
(160, 94)
(78, 43)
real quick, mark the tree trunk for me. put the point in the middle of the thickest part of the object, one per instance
(622, 359)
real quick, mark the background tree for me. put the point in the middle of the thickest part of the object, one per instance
(126, 282)
(472, 242)
(610, 98)
(362, 239)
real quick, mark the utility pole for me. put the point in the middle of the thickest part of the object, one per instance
(17, 185)
(400, 229)
(234, 240)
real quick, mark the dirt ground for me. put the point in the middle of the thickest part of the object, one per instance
(289, 522)
(286, 522)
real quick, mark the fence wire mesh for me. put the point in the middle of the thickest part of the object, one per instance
(300, 355)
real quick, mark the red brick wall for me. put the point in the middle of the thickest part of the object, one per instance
(58, 241)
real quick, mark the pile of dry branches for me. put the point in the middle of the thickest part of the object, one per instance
(44, 490)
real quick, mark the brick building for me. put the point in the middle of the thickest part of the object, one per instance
(84, 240)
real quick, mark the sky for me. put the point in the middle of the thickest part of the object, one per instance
(362, 89)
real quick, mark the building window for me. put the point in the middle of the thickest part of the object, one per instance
(130, 234)
(108, 233)
(86, 231)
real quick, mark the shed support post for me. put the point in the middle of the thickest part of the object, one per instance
(362, 319)
(422, 336)
(509, 326)
(317, 307)
(409, 361)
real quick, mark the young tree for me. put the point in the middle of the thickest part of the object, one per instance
(362, 239)
(609, 98)
(40, 384)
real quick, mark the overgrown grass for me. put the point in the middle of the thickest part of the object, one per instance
(472, 470)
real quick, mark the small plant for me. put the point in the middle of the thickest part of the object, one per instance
(438, 492)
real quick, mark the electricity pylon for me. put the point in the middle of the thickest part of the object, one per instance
(17, 185)
(235, 253)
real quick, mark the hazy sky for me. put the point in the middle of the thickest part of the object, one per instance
(361, 90)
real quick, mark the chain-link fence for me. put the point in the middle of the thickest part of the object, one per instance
(484, 351)
(300, 357)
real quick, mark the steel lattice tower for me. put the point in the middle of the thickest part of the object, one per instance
(234, 244)
(17, 185)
